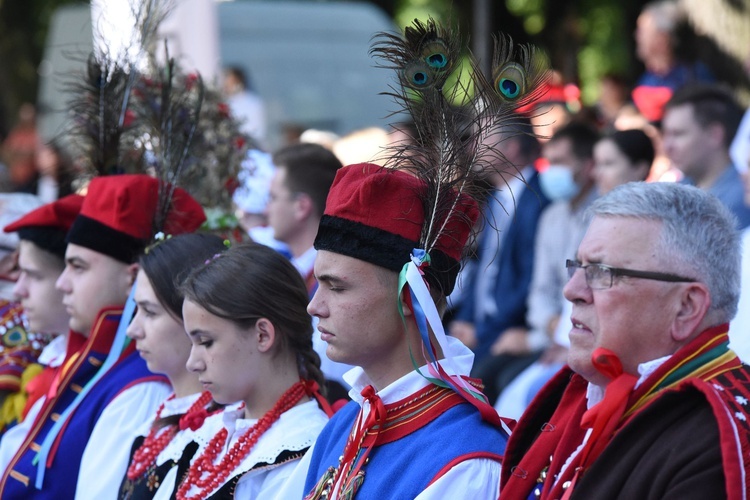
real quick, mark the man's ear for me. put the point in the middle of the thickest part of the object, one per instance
(304, 206)
(715, 133)
(132, 271)
(404, 304)
(265, 334)
(695, 301)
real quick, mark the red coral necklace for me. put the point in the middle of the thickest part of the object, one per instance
(156, 441)
(207, 475)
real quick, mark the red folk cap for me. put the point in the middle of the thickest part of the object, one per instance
(119, 215)
(48, 225)
(377, 215)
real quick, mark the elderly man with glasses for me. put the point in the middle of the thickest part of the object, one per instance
(652, 403)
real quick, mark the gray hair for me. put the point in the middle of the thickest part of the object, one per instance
(667, 14)
(699, 235)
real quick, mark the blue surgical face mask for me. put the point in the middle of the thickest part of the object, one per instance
(558, 184)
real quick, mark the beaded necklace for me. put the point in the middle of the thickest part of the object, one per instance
(207, 475)
(158, 439)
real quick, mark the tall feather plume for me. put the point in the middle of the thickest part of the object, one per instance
(454, 111)
(187, 135)
(103, 127)
(100, 117)
(517, 74)
(169, 109)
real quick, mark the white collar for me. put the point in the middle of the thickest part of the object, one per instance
(53, 353)
(410, 383)
(174, 406)
(595, 393)
(515, 183)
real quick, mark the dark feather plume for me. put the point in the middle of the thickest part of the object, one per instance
(455, 112)
(99, 111)
(171, 110)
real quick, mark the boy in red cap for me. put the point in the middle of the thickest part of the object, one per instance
(389, 249)
(102, 393)
(378, 292)
(41, 259)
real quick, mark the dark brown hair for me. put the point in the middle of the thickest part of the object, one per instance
(251, 281)
(310, 169)
(712, 103)
(168, 263)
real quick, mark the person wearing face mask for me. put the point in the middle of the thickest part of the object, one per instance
(569, 183)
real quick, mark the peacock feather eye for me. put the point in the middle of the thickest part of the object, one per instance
(435, 54)
(437, 60)
(418, 75)
(510, 81)
(14, 337)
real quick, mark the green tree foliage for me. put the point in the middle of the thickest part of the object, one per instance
(23, 30)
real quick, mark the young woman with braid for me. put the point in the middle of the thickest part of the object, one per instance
(245, 313)
(160, 340)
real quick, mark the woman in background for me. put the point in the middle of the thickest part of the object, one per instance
(623, 156)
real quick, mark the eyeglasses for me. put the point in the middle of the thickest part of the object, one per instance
(601, 276)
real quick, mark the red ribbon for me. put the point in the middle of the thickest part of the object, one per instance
(604, 417)
(312, 389)
(193, 420)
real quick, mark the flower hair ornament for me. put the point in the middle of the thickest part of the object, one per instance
(227, 244)
(159, 238)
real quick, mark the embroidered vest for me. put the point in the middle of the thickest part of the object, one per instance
(551, 426)
(64, 460)
(426, 447)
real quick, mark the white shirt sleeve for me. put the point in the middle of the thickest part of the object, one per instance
(106, 456)
(15, 436)
(475, 478)
(294, 486)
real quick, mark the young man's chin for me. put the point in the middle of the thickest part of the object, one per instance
(79, 327)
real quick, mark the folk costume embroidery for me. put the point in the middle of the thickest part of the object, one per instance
(706, 364)
(76, 371)
(150, 459)
(384, 424)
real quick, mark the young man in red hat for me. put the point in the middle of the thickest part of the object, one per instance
(417, 427)
(41, 259)
(103, 392)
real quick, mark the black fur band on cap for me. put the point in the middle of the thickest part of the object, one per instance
(48, 238)
(94, 235)
(383, 249)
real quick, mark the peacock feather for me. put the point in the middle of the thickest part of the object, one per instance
(455, 112)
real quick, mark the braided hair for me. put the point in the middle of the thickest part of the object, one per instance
(252, 281)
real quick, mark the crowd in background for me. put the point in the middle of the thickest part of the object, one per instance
(676, 124)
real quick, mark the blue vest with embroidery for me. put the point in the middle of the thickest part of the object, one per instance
(62, 473)
(405, 467)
